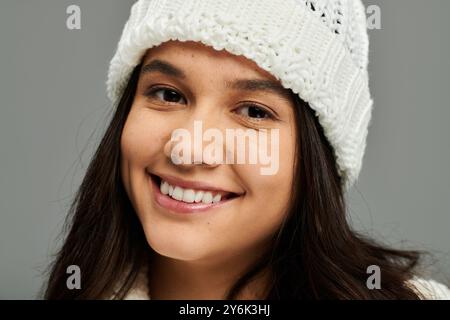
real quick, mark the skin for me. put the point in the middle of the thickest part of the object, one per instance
(199, 256)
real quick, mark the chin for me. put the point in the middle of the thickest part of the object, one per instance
(179, 248)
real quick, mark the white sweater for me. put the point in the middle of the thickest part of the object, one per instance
(427, 289)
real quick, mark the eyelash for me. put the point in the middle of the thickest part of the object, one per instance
(269, 115)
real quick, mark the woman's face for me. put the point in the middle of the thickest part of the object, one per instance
(183, 82)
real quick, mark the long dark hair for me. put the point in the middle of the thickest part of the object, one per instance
(315, 254)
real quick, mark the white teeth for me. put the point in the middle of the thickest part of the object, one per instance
(217, 198)
(188, 195)
(177, 193)
(199, 196)
(164, 188)
(207, 197)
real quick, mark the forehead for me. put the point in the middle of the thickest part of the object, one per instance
(197, 57)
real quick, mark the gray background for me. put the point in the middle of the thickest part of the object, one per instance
(53, 110)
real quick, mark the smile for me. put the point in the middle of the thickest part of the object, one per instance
(188, 197)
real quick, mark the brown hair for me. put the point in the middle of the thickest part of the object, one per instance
(315, 254)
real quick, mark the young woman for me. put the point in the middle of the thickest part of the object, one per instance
(144, 224)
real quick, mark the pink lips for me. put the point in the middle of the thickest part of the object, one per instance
(176, 206)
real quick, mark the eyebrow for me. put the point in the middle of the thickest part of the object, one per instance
(252, 85)
(164, 68)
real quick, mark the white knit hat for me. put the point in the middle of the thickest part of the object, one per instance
(316, 48)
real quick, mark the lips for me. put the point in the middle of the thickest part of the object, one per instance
(183, 196)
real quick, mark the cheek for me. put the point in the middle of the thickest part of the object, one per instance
(277, 184)
(141, 144)
(135, 141)
(142, 138)
(269, 195)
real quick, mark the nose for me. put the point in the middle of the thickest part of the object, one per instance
(187, 147)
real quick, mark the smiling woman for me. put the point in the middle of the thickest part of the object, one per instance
(143, 226)
(226, 232)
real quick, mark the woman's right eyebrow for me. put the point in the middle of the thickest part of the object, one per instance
(163, 67)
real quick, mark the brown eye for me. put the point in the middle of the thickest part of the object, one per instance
(254, 112)
(166, 95)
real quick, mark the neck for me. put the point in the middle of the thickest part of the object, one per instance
(172, 279)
